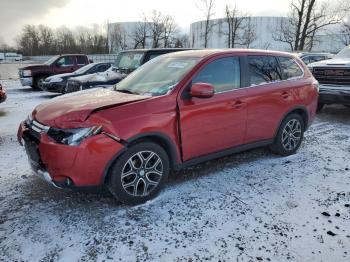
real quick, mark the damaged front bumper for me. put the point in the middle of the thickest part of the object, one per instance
(67, 166)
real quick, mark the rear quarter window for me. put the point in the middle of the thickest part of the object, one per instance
(82, 60)
(290, 68)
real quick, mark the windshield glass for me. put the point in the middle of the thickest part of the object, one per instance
(129, 60)
(51, 60)
(344, 53)
(84, 69)
(158, 76)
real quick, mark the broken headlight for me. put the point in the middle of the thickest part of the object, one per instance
(73, 136)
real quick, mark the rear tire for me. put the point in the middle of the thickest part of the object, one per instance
(139, 174)
(289, 136)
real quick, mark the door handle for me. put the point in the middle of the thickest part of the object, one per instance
(237, 104)
(285, 95)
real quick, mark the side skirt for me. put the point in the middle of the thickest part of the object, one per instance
(226, 152)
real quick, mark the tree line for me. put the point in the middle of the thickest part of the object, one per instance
(43, 40)
(299, 31)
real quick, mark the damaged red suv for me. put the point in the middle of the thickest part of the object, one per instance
(177, 110)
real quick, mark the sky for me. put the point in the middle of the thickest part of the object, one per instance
(14, 14)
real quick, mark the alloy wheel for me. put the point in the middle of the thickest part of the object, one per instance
(142, 173)
(291, 135)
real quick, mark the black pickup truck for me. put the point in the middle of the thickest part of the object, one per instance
(127, 62)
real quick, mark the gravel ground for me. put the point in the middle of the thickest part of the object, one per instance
(252, 206)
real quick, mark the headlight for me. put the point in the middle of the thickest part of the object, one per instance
(56, 80)
(27, 73)
(74, 136)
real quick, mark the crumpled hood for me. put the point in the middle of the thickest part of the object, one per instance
(76, 107)
(100, 77)
(332, 62)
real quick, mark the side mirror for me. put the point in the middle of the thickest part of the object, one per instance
(202, 90)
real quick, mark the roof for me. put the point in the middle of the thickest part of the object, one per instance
(209, 52)
(155, 49)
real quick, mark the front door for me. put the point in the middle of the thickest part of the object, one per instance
(213, 124)
(65, 64)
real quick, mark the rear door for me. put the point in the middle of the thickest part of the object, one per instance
(269, 97)
(212, 124)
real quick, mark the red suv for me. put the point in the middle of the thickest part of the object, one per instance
(175, 111)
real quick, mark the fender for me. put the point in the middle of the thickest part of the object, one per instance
(299, 107)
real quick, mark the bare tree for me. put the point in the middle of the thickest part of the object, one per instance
(117, 38)
(141, 34)
(28, 41)
(249, 33)
(344, 33)
(170, 29)
(206, 6)
(156, 28)
(181, 41)
(306, 19)
(47, 39)
(240, 30)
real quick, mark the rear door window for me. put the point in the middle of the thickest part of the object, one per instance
(223, 74)
(263, 69)
(290, 68)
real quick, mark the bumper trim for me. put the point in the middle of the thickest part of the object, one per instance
(26, 81)
(46, 176)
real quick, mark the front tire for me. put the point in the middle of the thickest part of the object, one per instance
(289, 136)
(38, 82)
(139, 174)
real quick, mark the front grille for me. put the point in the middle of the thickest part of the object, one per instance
(332, 75)
(72, 86)
(32, 140)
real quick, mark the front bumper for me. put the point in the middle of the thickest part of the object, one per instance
(68, 166)
(57, 87)
(26, 81)
(331, 94)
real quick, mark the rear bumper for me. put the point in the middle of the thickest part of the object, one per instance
(68, 166)
(26, 81)
(330, 94)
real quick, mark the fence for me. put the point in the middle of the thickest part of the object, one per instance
(96, 58)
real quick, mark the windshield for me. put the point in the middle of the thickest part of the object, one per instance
(344, 53)
(84, 69)
(51, 60)
(129, 60)
(158, 76)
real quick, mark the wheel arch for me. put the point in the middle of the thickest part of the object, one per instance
(156, 137)
(300, 110)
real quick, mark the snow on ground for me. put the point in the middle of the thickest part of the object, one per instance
(253, 206)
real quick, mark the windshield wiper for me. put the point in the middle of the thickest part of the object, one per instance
(126, 91)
